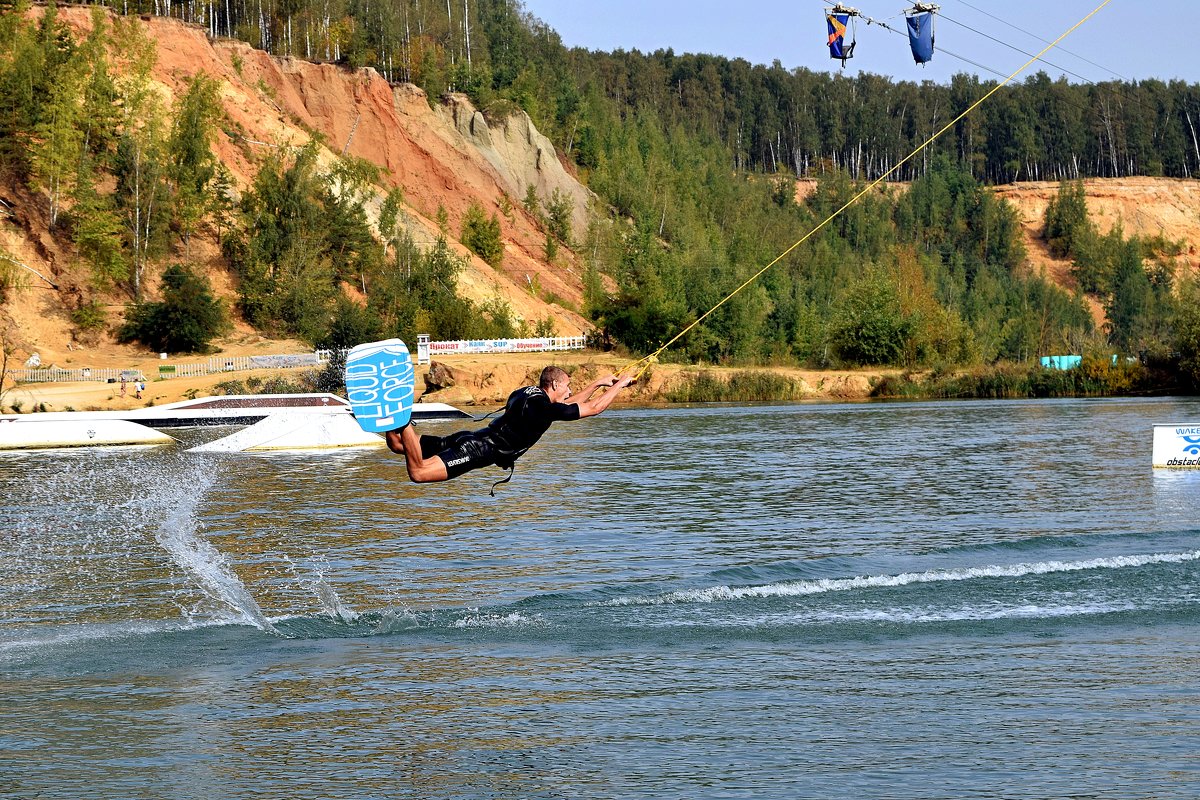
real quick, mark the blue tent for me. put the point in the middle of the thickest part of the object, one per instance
(920, 33)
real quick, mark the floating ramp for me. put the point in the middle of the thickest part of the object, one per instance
(248, 409)
(318, 421)
(245, 409)
(291, 431)
(27, 433)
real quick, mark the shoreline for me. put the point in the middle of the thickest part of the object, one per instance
(472, 382)
(477, 381)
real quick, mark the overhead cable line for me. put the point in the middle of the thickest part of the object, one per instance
(1012, 47)
(952, 54)
(1121, 91)
(1043, 41)
(1068, 100)
(644, 363)
(883, 23)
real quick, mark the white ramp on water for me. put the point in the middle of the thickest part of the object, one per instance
(24, 434)
(295, 432)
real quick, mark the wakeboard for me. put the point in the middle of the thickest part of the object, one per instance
(379, 385)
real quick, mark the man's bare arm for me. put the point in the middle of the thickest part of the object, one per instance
(586, 392)
(593, 406)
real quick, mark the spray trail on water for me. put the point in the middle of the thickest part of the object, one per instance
(177, 533)
(801, 588)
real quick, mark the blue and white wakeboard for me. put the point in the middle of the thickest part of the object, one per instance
(379, 385)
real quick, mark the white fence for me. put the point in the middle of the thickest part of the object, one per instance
(52, 374)
(221, 364)
(477, 346)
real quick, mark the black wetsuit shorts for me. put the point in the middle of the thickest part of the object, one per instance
(460, 452)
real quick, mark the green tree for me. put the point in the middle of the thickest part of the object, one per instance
(223, 203)
(101, 114)
(57, 145)
(353, 251)
(1130, 304)
(651, 304)
(1067, 224)
(1096, 258)
(98, 231)
(1186, 337)
(870, 327)
(191, 165)
(143, 197)
(352, 324)
(31, 57)
(185, 321)
(481, 235)
(389, 219)
(558, 216)
(532, 205)
(282, 260)
(440, 311)
(140, 163)
(22, 76)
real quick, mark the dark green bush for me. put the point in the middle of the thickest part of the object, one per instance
(481, 235)
(185, 321)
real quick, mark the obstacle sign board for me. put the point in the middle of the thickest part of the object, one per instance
(1177, 446)
(379, 385)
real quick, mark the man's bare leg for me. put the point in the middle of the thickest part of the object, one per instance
(420, 470)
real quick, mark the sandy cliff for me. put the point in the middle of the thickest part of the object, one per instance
(441, 155)
(1166, 207)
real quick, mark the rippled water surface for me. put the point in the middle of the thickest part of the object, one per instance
(943, 600)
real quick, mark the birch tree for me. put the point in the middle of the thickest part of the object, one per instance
(140, 149)
(58, 138)
(192, 165)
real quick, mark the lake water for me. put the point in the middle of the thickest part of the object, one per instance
(934, 600)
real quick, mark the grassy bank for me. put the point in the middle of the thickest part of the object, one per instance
(1094, 377)
(747, 386)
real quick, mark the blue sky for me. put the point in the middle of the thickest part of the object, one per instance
(1125, 40)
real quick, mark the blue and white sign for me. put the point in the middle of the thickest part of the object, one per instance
(379, 385)
(1177, 446)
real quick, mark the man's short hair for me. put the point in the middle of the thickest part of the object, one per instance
(550, 375)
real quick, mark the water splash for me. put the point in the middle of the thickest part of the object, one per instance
(177, 533)
(94, 538)
(331, 602)
(487, 619)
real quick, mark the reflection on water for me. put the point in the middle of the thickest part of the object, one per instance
(901, 600)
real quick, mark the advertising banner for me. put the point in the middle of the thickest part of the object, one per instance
(1177, 446)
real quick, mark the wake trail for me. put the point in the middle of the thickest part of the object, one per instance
(825, 585)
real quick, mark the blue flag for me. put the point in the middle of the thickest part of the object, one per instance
(920, 36)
